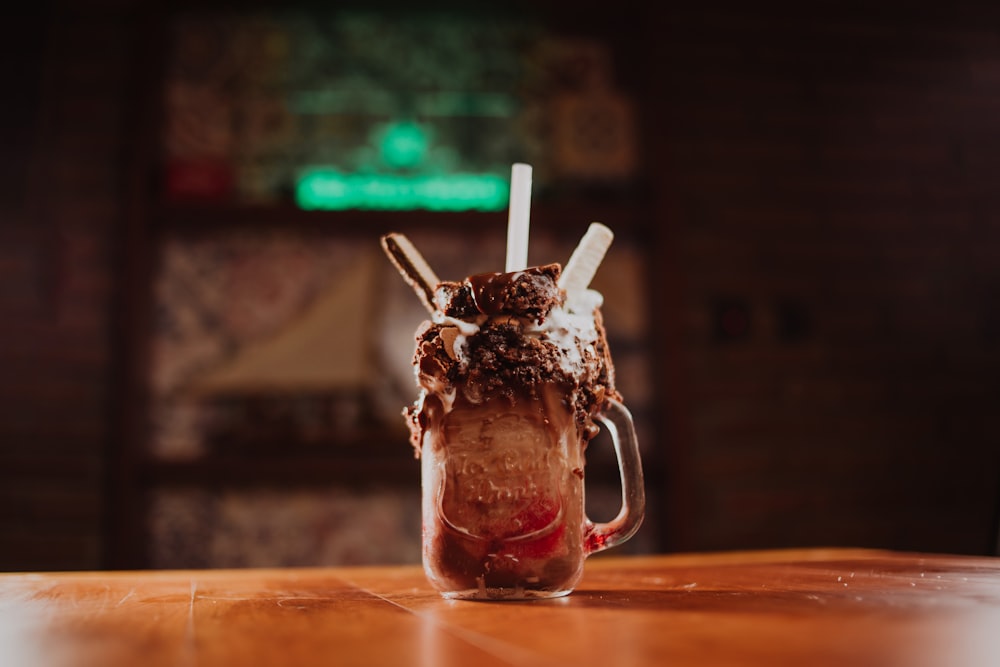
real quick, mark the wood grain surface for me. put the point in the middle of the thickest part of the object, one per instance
(810, 607)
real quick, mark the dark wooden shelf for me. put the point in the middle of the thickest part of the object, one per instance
(570, 218)
(377, 466)
(562, 211)
(352, 467)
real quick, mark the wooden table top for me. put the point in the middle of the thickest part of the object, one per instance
(804, 608)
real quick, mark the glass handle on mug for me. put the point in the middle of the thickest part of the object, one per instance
(618, 420)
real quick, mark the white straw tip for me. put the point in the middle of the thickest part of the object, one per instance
(519, 216)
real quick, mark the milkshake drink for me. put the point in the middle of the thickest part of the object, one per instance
(515, 378)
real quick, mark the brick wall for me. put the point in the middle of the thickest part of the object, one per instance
(831, 201)
(64, 79)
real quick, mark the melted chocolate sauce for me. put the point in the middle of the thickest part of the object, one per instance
(530, 294)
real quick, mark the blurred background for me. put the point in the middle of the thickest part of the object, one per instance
(204, 355)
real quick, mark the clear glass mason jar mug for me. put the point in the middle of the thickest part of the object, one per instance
(503, 497)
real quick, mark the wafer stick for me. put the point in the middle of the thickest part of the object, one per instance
(412, 266)
(583, 263)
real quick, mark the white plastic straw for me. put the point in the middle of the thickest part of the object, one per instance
(412, 266)
(583, 263)
(518, 217)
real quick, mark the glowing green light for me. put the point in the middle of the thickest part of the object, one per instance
(404, 145)
(330, 189)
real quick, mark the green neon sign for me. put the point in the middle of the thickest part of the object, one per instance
(404, 145)
(329, 189)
